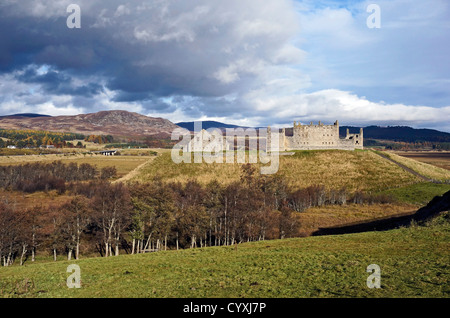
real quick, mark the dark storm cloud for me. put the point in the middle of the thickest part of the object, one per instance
(233, 59)
(51, 78)
(58, 83)
(32, 40)
(138, 48)
(148, 52)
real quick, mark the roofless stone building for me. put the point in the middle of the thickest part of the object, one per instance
(320, 136)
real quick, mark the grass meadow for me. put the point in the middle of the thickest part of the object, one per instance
(439, 158)
(414, 262)
(418, 193)
(355, 170)
(428, 170)
(123, 164)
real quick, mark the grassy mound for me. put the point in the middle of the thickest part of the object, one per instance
(356, 170)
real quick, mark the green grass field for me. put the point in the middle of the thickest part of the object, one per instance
(419, 193)
(414, 262)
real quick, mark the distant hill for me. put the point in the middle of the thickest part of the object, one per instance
(28, 115)
(113, 122)
(124, 123)
(207, 124)
(399, 133)
(393, 133)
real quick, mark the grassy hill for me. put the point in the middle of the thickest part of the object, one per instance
(356, 170)
(414, 262)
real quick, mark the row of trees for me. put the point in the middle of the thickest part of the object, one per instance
(99, 139)
(36, 138)
(107, 218)
(40, 176)
(316, 196)
(405, 145)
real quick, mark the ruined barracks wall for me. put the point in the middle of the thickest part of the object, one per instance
(320, 136)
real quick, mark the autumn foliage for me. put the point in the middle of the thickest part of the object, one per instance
(110, 218)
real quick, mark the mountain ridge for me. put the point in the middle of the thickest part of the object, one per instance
(393, 133)
(189, 125)
(132, 124)
(399, 133)
(108, 122)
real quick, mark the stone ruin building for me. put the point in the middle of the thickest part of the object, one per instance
(320, 136)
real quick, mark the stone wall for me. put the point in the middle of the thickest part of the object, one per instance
(320, 136)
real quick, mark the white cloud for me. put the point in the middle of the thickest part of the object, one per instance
(329, 105)
(335, 28)
(122, 10)
(237, 61)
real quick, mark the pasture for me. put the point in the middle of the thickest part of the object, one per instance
(414, 262)
(124, 163)
(439, 159)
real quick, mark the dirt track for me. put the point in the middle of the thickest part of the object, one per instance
(134, 172)
(406, 168)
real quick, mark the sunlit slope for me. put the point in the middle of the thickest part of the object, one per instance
(356, 170)
(414, 262)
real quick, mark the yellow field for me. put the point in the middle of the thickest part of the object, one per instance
(425, 169)
(356, 170)
(335, 215)
(123, 164)
(439, 159)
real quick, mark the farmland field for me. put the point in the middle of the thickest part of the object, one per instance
(123, 164)
(334, 215)
(438, 159)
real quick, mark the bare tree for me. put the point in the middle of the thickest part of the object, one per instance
(112, 207)
(9, 234)
(75, 219)
(153, 213)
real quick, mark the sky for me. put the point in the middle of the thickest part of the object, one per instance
(245, 62)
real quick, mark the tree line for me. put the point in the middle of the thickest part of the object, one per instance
(35, 138)
(110, 218)
(40, 176)
(99, 139)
